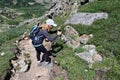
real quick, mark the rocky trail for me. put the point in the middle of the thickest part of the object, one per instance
(35, 72)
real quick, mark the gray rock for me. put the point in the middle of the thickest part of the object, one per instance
(90, 55)
(61, 7)
(0, 11)
(72, 37)
(22, 65)
(74, 8)
(89, 47)
(97, 58)
(86, 18)
(2, 53)
(64, 38)
(14, 63)
(84, 38)
(86, 56)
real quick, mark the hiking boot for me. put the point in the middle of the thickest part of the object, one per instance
(39, 63)
(46, 63)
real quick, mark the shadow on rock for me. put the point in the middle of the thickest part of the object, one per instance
(56, 48)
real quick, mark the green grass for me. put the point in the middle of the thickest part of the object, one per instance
(74, 65)
(106, 38)
(110, 62)
(32, 11)
(106, 32)
(4, 60)
(79, 49)
(13, 22)
(58, 78)
(13, 33)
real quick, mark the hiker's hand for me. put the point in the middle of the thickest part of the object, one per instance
(59, 33)
(46, 40)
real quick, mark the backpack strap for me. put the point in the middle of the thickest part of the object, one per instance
(37, 45)
(33, 28)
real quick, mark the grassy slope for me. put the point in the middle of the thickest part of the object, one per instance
(73, 64)
(106, 38)
(107, 34)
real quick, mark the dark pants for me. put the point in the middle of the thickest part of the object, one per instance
(38, 52)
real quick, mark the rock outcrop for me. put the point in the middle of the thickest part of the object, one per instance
(90, 55)
(71, 37)
(61, 7)
(86, 18)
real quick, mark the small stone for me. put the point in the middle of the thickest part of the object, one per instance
(2, 54)
(84, 38)
(26, 38)
(55, 62)
(16, 41)
(91, 35)
(86, 70)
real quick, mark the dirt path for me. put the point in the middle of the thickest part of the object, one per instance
(35, 72)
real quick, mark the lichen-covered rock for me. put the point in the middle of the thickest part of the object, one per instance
(86, 18)
(71, 37)
(90, 55)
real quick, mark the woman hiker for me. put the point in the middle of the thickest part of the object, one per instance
(38, 42)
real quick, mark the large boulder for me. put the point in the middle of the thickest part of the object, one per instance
(71, 37)
(86, 18)
(90, 55)
(61, 7)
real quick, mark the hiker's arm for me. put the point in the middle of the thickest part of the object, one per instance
(49, 37)
(52, 32)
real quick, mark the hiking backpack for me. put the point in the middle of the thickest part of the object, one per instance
(34, 31)
(37, 41)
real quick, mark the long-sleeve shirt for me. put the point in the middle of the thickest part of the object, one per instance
(42, 35)
(46, 35)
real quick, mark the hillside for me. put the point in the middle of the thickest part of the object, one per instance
(105, 32)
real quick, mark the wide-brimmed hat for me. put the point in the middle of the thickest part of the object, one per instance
(51, 22)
